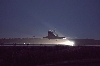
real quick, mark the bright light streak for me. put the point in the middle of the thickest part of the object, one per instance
(70, 43)
(64, 38)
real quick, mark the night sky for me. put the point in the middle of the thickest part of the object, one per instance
(71, 18)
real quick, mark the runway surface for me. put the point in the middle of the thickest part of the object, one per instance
(42, 45)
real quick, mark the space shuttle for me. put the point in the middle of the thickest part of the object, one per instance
(53, 35)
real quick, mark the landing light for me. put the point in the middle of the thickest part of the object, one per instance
(70, 43)
(64, 38)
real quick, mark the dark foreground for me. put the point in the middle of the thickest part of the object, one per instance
(49, 56)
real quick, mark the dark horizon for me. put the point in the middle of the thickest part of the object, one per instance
(71, 18)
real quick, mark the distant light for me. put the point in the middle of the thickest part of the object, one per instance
(24, 43)
(70, 43)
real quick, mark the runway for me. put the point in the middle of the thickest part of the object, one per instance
(43, 45)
